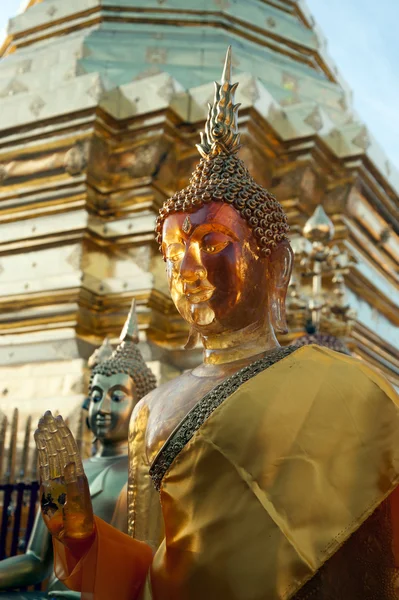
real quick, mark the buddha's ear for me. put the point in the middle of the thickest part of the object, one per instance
(193, 339)
(280, 265)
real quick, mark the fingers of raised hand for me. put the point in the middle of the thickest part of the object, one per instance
(50, 454)
(57, 440)
(70, 473)
(47, 426)
(57, 449)
(72, 450)
(41, 446)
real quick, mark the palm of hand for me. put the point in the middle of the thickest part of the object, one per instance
(65, 498)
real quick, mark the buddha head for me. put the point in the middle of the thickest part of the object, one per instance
(117, 383)
(224, 237)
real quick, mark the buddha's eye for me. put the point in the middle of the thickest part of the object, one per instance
(214, 242)
(96, 396)
(118, 396)
(174, 252)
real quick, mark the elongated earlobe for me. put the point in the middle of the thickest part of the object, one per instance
(279, 273)
(192, 340)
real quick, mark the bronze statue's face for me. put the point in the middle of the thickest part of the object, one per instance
(112, 401)
(216, 278)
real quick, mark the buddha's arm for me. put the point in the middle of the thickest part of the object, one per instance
(90, 556)
(33, 566)
(119, 518)
(115, 565)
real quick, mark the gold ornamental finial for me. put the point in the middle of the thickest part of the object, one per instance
(319, 228)
(130, 331)
(221, 129)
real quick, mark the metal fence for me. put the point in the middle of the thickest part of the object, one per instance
(19, 488)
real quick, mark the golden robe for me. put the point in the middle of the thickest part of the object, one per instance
(279, 484)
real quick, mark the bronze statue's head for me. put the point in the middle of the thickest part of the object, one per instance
(224, 237)
(117, 384)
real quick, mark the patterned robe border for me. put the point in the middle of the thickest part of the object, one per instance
(204, 408)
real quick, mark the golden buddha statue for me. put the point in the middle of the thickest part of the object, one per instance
(118, 381)
(275, 468)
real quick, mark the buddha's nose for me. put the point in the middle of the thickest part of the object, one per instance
(105, 407)
(191, 268)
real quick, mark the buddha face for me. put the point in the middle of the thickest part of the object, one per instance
(112, 400)
(216, 278)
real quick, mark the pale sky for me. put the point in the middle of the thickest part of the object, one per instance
(363, 41)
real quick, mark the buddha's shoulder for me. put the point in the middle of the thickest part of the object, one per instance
(324, 358)
(319, 364)
(167, 388)
(161, 394)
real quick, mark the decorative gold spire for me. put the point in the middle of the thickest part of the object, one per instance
(221, 129)
(130, 331)
(319, 227)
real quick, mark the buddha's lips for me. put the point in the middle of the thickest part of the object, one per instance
(103, 421)
(199, 295)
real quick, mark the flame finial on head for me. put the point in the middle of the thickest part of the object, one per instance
(130, 331)
(221, 129)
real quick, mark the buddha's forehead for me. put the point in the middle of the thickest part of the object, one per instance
(106, 382)
(215, 214)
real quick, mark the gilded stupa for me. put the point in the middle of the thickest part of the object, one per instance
(102, 102)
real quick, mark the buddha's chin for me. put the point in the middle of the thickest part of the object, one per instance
(201, 314)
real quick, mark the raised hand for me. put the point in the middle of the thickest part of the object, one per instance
(65, 497)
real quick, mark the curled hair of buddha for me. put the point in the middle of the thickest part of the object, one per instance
(221, 176)
(127, 359)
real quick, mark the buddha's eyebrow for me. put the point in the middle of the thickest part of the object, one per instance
(118, 387)
(217, 227)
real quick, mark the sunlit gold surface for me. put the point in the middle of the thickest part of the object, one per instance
(221, 286)
(232, 295)
(287, 484)
(233, 299)
(284, 496)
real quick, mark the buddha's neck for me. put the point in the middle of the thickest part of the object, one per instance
(109, 449)
(232, 346)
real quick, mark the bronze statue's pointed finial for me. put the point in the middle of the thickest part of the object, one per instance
(100, 354)
(130, 331)
(227, 69)
(127, 358)
(221, 129)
